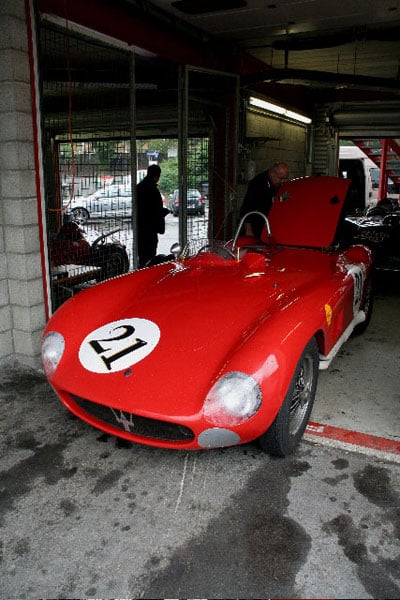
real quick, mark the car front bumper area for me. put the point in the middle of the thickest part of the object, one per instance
(148, 431)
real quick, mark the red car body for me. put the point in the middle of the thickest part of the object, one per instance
(149, 346)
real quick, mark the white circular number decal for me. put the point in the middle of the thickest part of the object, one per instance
(118, 345)
(358, 276)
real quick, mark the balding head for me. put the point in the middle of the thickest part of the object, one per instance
(278, 173)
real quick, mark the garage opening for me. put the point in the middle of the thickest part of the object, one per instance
(98, 102)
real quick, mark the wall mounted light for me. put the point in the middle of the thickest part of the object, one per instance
(279, 110)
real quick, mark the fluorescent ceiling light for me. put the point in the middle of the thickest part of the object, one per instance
(290, 114)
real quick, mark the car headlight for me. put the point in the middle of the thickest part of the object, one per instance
(232, 400)
(53, 346)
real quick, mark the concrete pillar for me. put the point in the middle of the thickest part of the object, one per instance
(22, 313)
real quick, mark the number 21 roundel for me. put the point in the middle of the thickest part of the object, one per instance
(118, 345)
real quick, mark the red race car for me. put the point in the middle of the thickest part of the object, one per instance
(220, 345)
(73, 245)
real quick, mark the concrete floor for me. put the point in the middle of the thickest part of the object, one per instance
(361, 389)
(84, 515)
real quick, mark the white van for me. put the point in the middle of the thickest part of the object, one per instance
(364, 175)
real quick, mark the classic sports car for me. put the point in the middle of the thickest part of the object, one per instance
(72, 244)
(220, 345)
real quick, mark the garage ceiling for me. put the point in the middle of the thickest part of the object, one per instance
(351, 45)
(300, 52)
(345, 54)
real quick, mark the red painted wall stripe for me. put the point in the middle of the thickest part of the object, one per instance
(37, 152)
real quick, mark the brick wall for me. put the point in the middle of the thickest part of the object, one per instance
(277, 140)
(22, 313)
(270, 140)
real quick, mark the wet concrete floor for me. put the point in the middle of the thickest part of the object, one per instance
(85, 515)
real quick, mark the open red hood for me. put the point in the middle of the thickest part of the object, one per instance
(306, 211)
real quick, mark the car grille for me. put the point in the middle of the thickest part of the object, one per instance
(141, 426)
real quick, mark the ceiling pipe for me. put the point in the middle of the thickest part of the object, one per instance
(358, 81)
(366, 117)
(299, 42)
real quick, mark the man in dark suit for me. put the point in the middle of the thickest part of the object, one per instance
(259, 196)
(150, 215)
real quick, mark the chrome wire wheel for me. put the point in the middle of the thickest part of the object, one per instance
(80, 215)
(285, 433)
(302, 395)
(367, 306)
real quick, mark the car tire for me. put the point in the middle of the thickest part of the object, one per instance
(285, 433)
(116, 263)
(366, 306)
(80, 215)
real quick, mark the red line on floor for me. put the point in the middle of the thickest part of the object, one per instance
(353, 437)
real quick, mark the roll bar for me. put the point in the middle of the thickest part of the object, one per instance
(243, 219)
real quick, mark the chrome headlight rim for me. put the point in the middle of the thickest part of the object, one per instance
(53, 346)
(233, 399)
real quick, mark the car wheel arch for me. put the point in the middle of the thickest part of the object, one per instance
(280, 360)
(282, 436)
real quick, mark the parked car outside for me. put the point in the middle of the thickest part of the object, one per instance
(111, 201)
(251, 324)
(195, 203)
